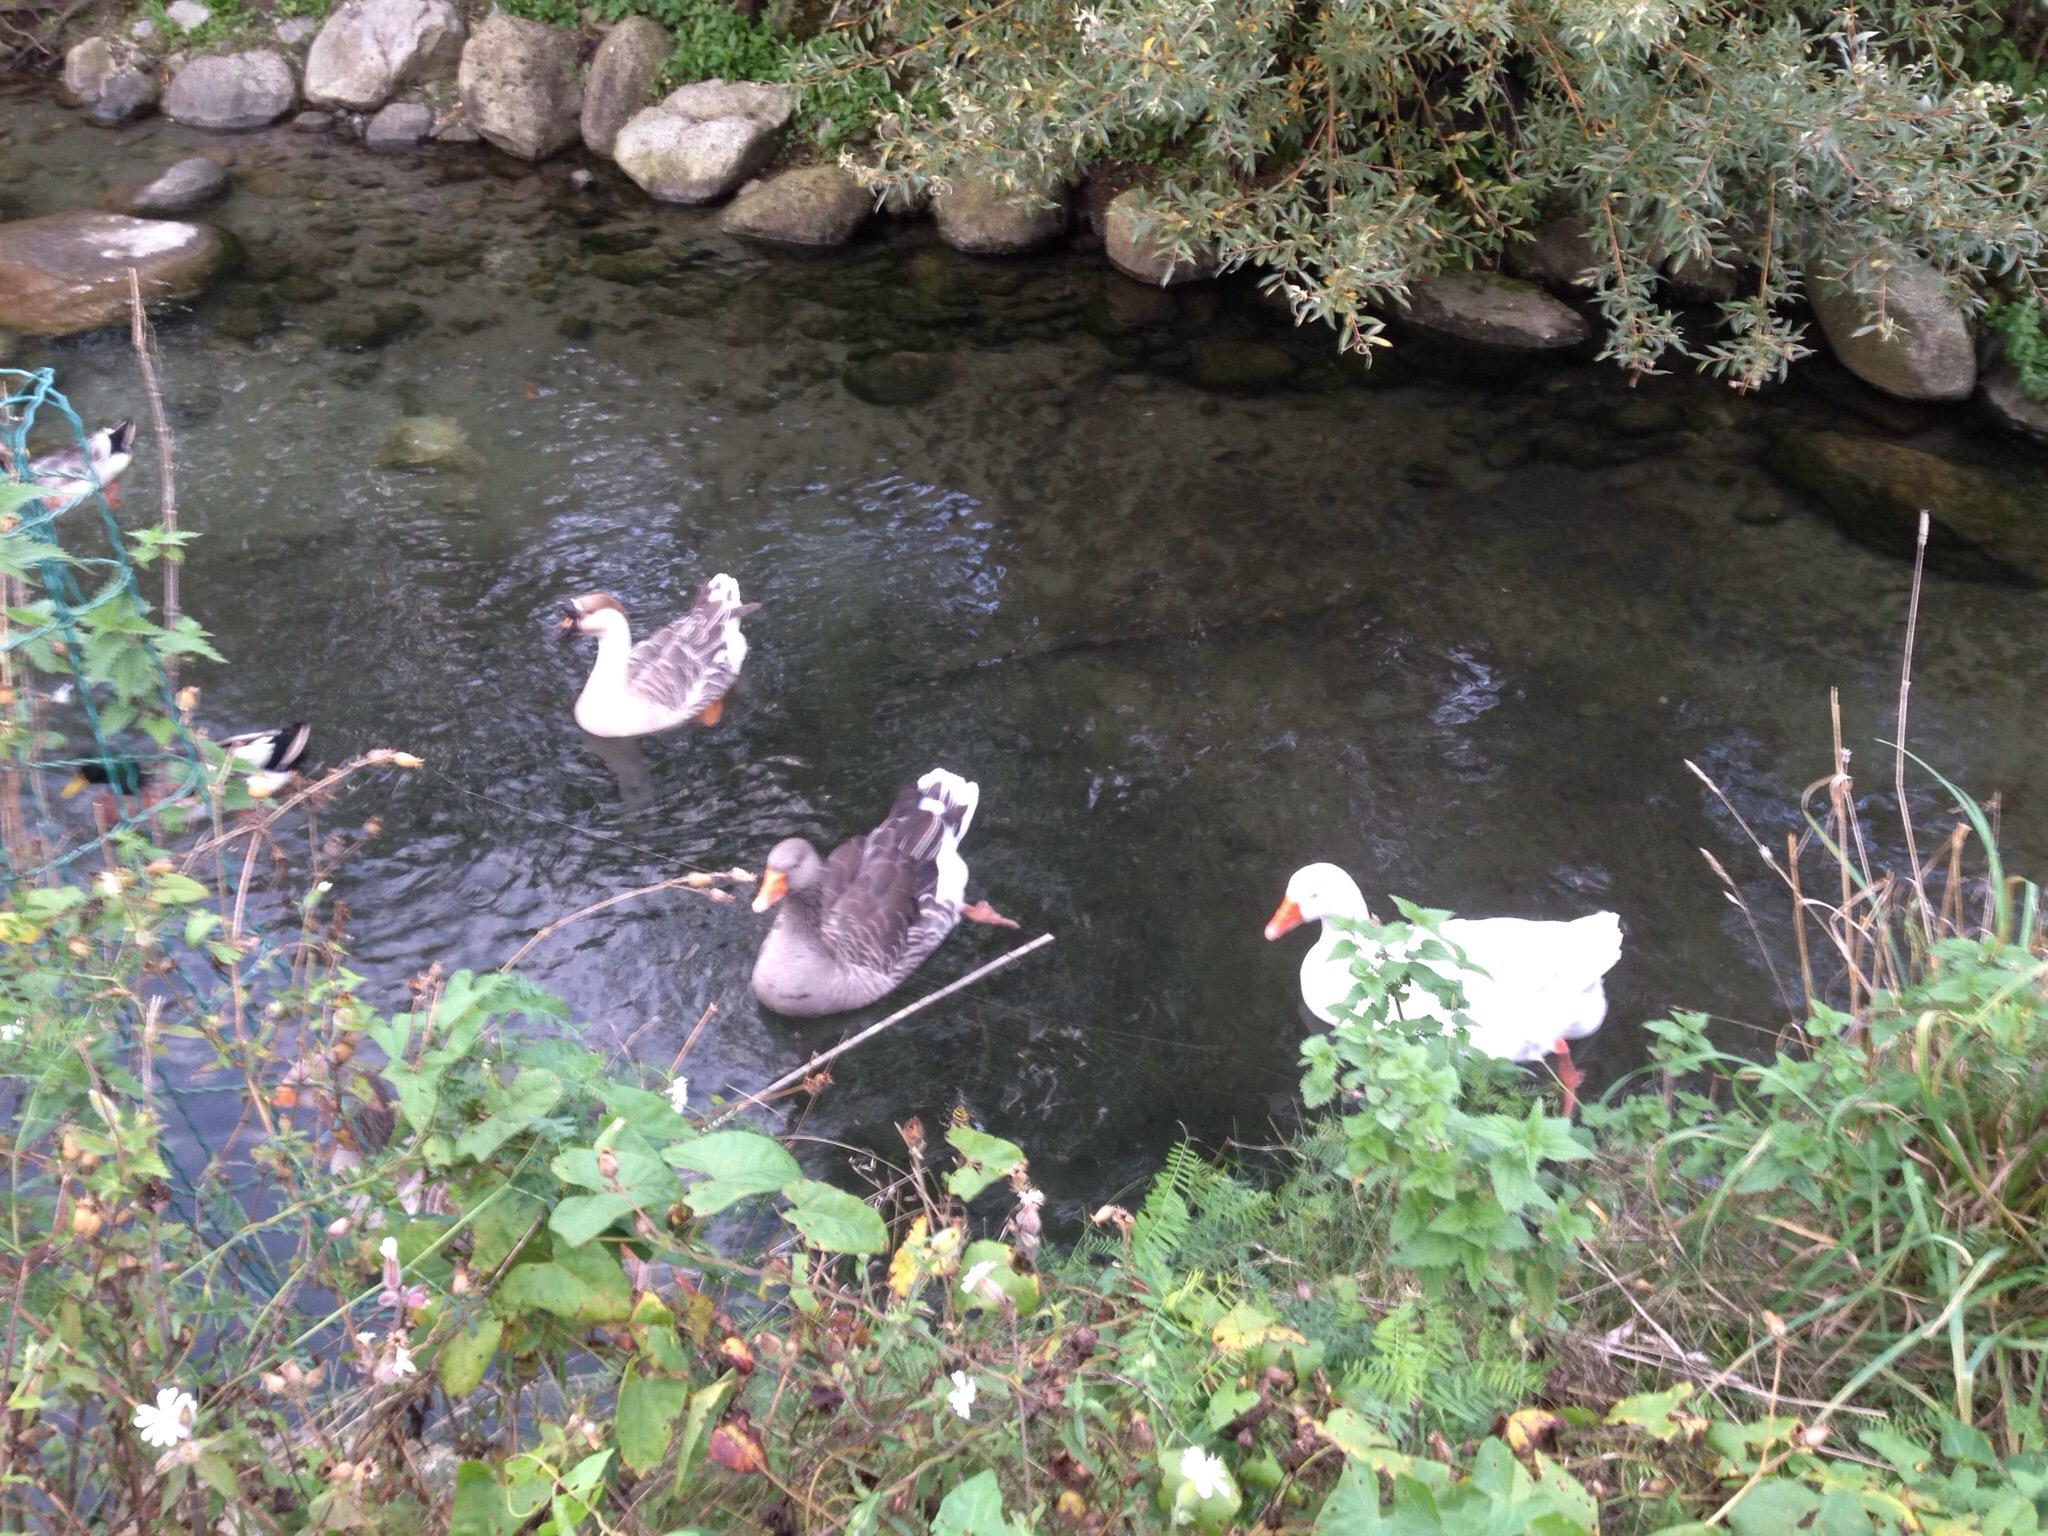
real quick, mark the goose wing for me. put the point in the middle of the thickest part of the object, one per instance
(886, 916)
(1542, 981)
(683, 668)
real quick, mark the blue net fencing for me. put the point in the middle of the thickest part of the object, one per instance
(73, 616)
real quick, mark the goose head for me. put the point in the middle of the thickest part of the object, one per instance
(112, 449)
(594, 613)
(1317, 891)
(793, 865)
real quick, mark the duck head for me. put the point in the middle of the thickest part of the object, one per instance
(1317, 891)
(793, 865)
(594, 613)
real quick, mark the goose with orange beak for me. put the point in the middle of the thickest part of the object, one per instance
(850, 928)
(1531, 987)
(679, 673)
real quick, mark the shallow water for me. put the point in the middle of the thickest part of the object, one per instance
(1460, 639)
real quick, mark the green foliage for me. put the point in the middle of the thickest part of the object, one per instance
(2021, 341)
(1344, 152)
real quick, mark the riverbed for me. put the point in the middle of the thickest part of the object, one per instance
(1194, 599)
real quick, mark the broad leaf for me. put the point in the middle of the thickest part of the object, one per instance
(580, 1285)
(465, 1356)
(533, 1093)
(835, 1221)
(649, 1408)
(736, 1164)
(983, 1158)
(579, 1218)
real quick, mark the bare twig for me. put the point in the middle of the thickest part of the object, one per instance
(144, 342)
(1899, 747)
(872, 1030)
(694, 881)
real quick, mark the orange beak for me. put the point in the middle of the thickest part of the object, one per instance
(774, 884)
(1285, 919)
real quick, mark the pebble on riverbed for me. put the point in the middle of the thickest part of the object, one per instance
(191, 183)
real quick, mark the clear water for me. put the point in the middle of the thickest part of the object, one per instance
(1458, 638)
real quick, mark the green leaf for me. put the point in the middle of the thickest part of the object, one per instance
(736, 1164)
(506, 1218)
(984, 1159)
(174, 889)
(649, 1407)
(1225, 1404)
(480, 1507)
(704, 1406)
(1772, 1508)
(580, 1285)
(1019, 1287)
(1656, 1412)
(579, 1218)
(833, 1220)
(1353, 1506)
(464, 1357)
(974, 1508)
(533, 1093)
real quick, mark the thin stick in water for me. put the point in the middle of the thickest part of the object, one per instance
(872, 1030)
(166, 448)
(1899, 747)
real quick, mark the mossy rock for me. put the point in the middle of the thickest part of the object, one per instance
(1985, 528)
(896, 378)
(367, 330)
(1241, 367)
(429, 443)
(631, 267)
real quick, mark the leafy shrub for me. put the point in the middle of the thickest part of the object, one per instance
(2018, 324)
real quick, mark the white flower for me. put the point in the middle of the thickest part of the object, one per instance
(961, 1398)
(1205, 1473)
(401, 1364)
(971, 1282)
(12, 1032)
(388, 1249)
(679, 1094)
(169, 1419)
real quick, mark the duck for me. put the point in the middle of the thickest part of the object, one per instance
(852, 927)
(1531, 986)
(679, 673)
(268, 760)
(73, 472)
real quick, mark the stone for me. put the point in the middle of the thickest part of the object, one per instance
(519, 85)
(68, 272)
(1139, 255)
(189, 15)
(1484, 309)
(1930, 356)
(1985, 527)
(1241, 367)
(456, 131)
(143, 30)
(2008, 405)
(1700, 282)
(985, 220)
(434, 444)
(191, 183)
(313, 122)
(402, 125)
(111, 79)
(895, 378)
(304, 288)
(704, 140)
(1554, 253)
(233, 90)
(366, 330)
(369, 50)
(296, 31)
(622, 75)
(819, 205)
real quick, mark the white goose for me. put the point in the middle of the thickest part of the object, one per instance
(1532, 987)
(680, 672)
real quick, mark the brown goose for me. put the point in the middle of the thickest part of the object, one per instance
(854, 925)
(680, 672)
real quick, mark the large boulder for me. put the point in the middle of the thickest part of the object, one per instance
(112, 79)
(1484, 309)
(1985, 526)
(1133, 251)
(519, 85)
(68, 272)
(369, 49)
(986, 220)
(1555, 253)
(820, 205)
(704, 140)
(2011, 407)
(233, 90)
(622, 73)
(1929, 356)
(190, 184)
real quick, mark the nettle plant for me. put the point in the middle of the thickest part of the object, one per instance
(1345, 151)
(1473, 1167)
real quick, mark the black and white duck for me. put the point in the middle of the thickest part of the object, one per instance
(73, 472)
(853, 926)
(679, 673)
(267, 761)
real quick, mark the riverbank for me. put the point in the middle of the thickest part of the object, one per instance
(788, 166)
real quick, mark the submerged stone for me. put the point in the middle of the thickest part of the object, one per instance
(367, 330)
(1241, 367)
(429, 443)
(896, 378)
